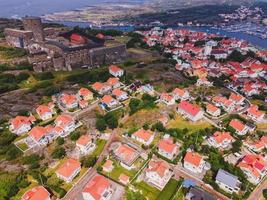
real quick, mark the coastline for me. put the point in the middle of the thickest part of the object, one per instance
(254, 40)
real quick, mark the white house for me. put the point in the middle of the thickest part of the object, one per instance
(213, 110)
(45, 112)
(101, 88)
(227, 182)
(255, 114)
(158, 173)
(143, 136)
(167, 148)
(120, 95)
(194, 162)
(68, 170)
(221, 139)
(64, 124)
(85, 144)
(254, 166)
(239, 127)
(114, 82)
(41, 135)
(114, 70)
(108, 166)
(236, 98)
(126, 155)
(180, 94)
(21, 124)
(109, 101)
(98, 188)
(167, 99)
(36, 193)
(190, 111)
(69, 101)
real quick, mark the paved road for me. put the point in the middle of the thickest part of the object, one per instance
(178, 172)
(257, 192)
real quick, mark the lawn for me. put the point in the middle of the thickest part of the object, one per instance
(23, 146)
(181, 123)
(118, 170)
(146, 190)
(169, 190)
(100, 144)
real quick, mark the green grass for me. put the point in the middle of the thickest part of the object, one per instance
(100, 144)
(181, 123)
(118, 170)
(23, 190)
(10, 52)
(23, 146)
(169, 190)
(148, 191)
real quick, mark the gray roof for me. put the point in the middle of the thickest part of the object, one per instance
(227, 178)
(196, 193)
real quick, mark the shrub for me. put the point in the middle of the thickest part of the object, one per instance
(101, 124)
(60, 140)
(58, 153)
(44, 76)
(88, 161)
(13, 152)
(75, 135)
(264, 192)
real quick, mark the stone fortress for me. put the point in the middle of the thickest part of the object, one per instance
(51, 49)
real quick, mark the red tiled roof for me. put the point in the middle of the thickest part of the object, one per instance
(20, 120)
(84, 92)
(97, 186)
(193, 158)
(113, 81)
(167, 145)
(143, 134)
(68, 167)
(160, 167)
(84, 140)
(189, 108)
(222, 136)
(36, 193)
(107, 99)
(114, 68)
(212, 108)
(43, 109)
(237, 125)
(38, 132)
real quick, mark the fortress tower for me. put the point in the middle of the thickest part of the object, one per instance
(34, 24)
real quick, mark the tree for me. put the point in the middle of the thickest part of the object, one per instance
(88, 161)
(135, 105)
(111, 120)
(32, 160)
(58, 153)
(159, 127)
(60, 140)
(8, 187)
(22, 77)
(264, 192)
(101, 124)
(13, 152)
(75, 135)
(236, 146)
(236, 56)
